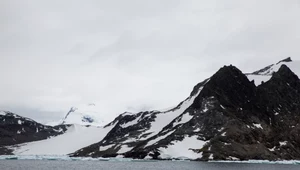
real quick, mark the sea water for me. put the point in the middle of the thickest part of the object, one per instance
(13, 164)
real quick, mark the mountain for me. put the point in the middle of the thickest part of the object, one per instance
(15, 129)
(131, 129)
(226, 117)
(229, 116)
(87, 114)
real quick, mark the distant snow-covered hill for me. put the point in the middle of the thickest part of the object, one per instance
(86, 114)
(265, 74)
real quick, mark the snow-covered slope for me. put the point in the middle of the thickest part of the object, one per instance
(149, 128)
(265, 74)
(76, 137)
(87, 114)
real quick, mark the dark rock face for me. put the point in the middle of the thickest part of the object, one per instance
(236, 119)
(15, 129)
(230, 86)
(260, 124)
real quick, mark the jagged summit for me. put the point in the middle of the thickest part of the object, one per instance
(285, 73)
(228, 74)
(229, 85)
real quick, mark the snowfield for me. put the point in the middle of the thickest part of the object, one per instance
(75, 138)
(258, 79)
(183, 149)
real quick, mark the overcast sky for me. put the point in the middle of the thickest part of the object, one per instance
(132, 55)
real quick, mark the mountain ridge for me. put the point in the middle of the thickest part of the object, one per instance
(247, 92)
(15, 129)
(226, 117)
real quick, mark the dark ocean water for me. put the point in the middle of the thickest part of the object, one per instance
(112, 165)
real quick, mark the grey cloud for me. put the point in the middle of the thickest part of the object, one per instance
(132, 55)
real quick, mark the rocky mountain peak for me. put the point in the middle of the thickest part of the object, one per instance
(229, 85)
(281, 93)
(285, 73)
(228, 76)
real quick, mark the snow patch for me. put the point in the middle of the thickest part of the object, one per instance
(185, 118)
(131, 123)
(258, 126)
(272, 149)
(120, 156)
(153, 141)
(124, 148)
(223, 134)
(233, 158)
(148, 157)
(205, 109)
(283, 143)
(104, 148)
(197, 130)
(2, 113)
(220, 130)
(227, 144)
(19, 122)
(207, 104)
(183, 149)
